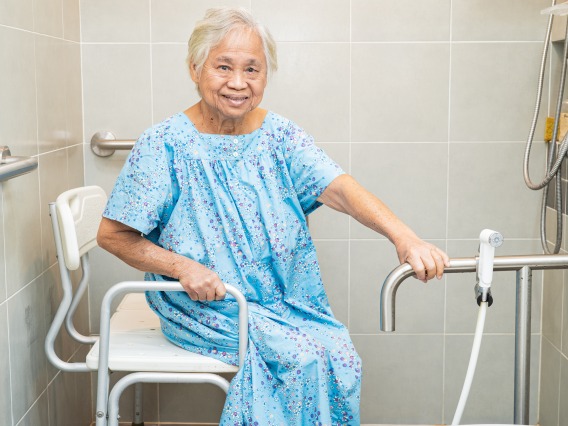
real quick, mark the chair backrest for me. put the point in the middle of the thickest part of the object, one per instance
(79, 213)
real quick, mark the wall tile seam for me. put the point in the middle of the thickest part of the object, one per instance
(151, 60)
(447, 42)
(379, 237)
(112, 43)
(520, 239)
(39, 194)
(53, 151)
(553, 242)
(320, 141)
(37, 112)
(178, 43)
(63, 21)
(458, 142)
(40, 34)
(17, 423)
(411, 334)
(497, 41)
(169, 43)
(555, 347)
(43, 154)
(32, 282)
(437, 142)
(350, 270)
(314, 42)
(440, 239)
(10, 379)
(413, 42)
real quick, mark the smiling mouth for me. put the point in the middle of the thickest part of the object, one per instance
(236, 99)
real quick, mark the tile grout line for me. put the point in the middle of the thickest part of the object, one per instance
(349, 163)
(444, 338)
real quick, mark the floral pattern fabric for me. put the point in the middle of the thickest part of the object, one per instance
(238, 205)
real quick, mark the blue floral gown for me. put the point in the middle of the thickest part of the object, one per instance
(238, 205)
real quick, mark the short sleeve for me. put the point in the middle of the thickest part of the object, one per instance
(311, 170)
(142, 194)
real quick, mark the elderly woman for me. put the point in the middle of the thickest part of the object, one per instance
(220, 193)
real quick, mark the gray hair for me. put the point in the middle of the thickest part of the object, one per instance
(216, 24)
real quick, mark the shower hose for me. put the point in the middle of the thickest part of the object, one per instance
(553, 162)
(472, 363)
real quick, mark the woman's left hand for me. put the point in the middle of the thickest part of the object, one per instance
(427, 260)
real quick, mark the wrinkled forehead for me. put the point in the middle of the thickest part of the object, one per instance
(240, 43)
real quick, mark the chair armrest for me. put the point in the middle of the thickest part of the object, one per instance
(141, 286)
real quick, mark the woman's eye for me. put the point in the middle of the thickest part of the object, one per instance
(250, 69)
(223, 67)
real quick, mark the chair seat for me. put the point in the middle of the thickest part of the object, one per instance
(137, 344)
(133, 302)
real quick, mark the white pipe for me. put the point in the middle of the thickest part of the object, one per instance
(472, 362)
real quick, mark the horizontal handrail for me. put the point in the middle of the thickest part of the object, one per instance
(457, 265)
(523, 265)
(103, 144)
(11, 166)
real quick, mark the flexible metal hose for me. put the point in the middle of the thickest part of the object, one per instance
(554, 162)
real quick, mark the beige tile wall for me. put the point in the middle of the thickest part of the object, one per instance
(554, 367)
(41, 116)
(428, 104)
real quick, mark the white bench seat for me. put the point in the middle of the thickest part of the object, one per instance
(137, 344)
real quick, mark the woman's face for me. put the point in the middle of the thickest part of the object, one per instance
(233, 78)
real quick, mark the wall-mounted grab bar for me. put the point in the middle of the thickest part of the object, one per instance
(11, 166)
(104, 144)
(524, 265)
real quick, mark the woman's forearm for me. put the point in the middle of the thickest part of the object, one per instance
(346, 195)
(132, 248)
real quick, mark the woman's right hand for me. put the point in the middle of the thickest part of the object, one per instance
(200, 282)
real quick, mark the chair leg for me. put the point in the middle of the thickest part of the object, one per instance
(154, 377)
(138, 419)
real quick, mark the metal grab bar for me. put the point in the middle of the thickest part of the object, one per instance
(103, 144)
(458, 265)
(524, 265)
(11, 166)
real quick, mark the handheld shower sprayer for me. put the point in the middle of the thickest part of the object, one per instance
(488, 241)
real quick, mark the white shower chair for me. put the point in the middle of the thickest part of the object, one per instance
(131, 340)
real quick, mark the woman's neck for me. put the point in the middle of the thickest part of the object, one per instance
(206, 121)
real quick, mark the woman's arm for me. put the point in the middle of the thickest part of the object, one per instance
(131, 247)
(346, 195)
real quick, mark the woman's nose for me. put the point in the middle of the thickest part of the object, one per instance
(237, 81)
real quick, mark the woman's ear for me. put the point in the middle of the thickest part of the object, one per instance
(193, 72)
